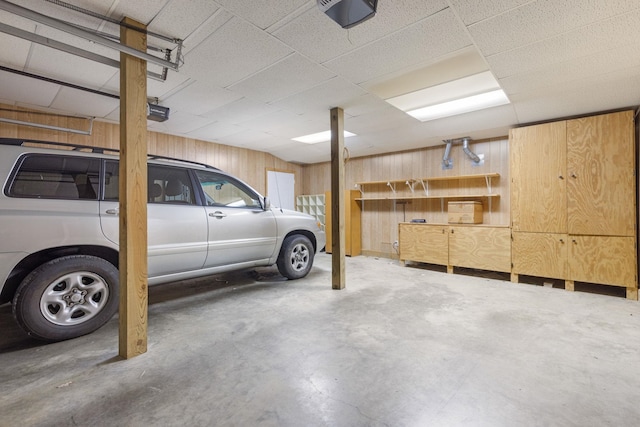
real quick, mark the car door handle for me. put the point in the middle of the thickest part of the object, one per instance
(218, 214)
(113, 211)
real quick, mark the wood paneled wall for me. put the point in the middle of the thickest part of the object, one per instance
(380, 218)
(248, 165)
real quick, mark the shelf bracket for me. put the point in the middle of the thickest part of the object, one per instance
(410, 185)
(392, 186)
(425, 186)
(488, 180)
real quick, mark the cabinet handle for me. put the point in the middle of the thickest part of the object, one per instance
(573, 175)
(452, 231)
(562, 241)
(574, 241)
(560, 176)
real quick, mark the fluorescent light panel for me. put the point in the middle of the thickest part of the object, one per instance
(464, 95)
(314, 138)
(460, 106)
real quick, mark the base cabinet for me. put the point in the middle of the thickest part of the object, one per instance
(603, 259)
(607, 260)
(481, 247)
(485, 248)
(424, 243)
(540, 254)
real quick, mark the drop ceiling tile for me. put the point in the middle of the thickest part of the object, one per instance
(439, 35)
(16, 57)
(240, 111)
(281, 123)
(320, 99)
(181, 123)
(254, 140)
(590, 39)
(179, 19)
(214, 131)
(198, 98)
(572, 73)
(262, 13)
(616, 90)
(472, 11)
(26, 90)
(389, 118)
(293, 74)
(85, 103)
(542, 19)
(234, 52)
(316, 36)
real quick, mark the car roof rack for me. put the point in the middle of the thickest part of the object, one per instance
(98, 150)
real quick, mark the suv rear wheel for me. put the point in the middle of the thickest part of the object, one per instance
(67, 297)
(296, 257)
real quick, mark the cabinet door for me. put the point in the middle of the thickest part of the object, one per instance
(424, 243)
(538, 183)
(486, 248)
(540, 254)
(601, 181)
(603, 259)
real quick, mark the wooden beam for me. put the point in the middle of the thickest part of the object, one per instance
(338, 246)
(133, 193)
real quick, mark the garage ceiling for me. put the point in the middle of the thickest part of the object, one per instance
(257, 73)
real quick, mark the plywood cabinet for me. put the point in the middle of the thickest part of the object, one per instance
(601, 178)
(482, 247)
(538, 173)
(485, 248)
(424, 243)
(574, 200)
(540, 254)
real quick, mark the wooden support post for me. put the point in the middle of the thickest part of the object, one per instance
(338, 245)
(133, 193)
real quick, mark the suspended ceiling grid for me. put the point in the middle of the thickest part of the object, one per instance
(257, 73)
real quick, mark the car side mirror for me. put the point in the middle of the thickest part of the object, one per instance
(266, 204)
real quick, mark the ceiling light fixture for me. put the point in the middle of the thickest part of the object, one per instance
(460, 106)
(471, 93)
(314, 138)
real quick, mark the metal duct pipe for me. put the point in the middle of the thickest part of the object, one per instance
(465, 147)
(446, 161)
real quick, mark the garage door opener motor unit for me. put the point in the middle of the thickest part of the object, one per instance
(348, 13)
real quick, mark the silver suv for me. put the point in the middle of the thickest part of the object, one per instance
(59, 232)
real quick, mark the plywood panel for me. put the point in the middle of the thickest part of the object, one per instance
(487, 248)
(538, 176)
(601, 181)
(603, 259)
(540, 254)
(424, 243)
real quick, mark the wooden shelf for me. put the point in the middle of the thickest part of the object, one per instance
(418, 188)
(462, 196)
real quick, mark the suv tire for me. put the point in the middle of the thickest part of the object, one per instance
(67, 297)
(296, 257)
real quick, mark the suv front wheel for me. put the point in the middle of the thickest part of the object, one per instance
(67, 297)
(296, 257)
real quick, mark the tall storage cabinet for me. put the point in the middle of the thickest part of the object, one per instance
(573, 201)
(352, 211)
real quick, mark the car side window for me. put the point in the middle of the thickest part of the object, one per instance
(221, 190)
(164, 184)
(56, 177)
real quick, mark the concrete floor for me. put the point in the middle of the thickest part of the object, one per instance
(400, 346)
